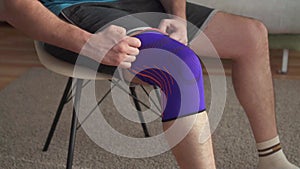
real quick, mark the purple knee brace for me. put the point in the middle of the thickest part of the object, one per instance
(175, 69)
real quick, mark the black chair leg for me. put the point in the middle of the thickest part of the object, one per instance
(156, 92)
(138, 108)
(74, 123)
(58, 113)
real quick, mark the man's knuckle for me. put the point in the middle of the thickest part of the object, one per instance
(121, 56)
(111, 28)
(122, 48)
(122, 30)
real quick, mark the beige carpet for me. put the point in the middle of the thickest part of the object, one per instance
(27, 108)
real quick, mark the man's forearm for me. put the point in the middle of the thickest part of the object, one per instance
(175, 7)
(31, 17)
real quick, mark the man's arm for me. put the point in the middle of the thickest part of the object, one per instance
(110, 46)
(175, 7)
(31, 17)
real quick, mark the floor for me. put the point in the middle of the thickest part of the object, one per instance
(17, 55)
(28, 105)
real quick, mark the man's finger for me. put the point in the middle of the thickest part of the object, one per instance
(124, 47)
(133, 42)
(179, 38)
(132, 51)
(163, 26)
(125, 65)
(175, 36)
(129, 58)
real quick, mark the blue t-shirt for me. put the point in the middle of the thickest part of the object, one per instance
(56, 6)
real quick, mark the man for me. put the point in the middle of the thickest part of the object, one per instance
(241, 39)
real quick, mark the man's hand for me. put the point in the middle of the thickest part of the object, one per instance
(176, 28)
(112, 47)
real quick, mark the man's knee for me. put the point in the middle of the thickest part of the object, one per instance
(234, 36)
(256, 36)
(176, 69)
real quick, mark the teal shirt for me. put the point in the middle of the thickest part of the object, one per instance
(56, 6)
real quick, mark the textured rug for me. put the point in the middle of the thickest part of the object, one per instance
(27, 107)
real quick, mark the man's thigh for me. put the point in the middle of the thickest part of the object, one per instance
(231, 36)
(94, 17)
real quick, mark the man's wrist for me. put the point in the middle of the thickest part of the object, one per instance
(85, 37)
(178, 14)
(81, 39)
(176, 8)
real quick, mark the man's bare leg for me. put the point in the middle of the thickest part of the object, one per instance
(190, 153)
(245, 41)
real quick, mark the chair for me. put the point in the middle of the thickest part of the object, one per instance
(66, 69)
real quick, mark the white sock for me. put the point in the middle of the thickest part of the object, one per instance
(271, 156)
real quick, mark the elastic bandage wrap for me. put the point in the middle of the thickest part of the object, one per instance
(175, 69)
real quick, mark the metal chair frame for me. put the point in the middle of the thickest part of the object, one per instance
(67, 97)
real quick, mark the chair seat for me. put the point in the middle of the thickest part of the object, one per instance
(65, 68)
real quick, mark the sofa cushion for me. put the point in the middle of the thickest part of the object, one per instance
(285, 41)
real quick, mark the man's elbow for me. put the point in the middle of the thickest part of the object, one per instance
(8, 7)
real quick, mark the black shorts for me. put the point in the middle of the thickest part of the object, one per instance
(93, 17)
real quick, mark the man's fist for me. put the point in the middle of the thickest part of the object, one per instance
(112, 47)
(176, 28)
